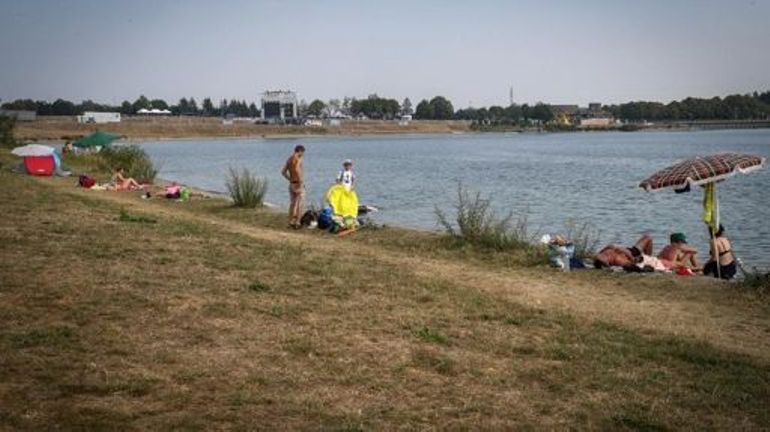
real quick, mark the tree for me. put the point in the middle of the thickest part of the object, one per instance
(193, 107)
(21, 104)
(6, 131)
(159, 104)
(513, 113)
(424, 111)
(126, 108)
(333, 107)
(208, 107)
(442, 108)
(183, 107)
(141, 103)
(253, 110)
(63, 107)
(541, 112)
(347, 103)
(406, 107)
(316, 108)
(497, 113)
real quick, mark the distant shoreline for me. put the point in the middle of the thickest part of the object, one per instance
(199, 128)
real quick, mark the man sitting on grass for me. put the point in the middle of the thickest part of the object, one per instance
(678, 254)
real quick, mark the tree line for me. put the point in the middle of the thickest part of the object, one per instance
(185, 106)
(733, 107)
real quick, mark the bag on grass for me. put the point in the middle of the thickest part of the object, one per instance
(86, 181)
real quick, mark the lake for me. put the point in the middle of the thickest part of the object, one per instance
(551, 178)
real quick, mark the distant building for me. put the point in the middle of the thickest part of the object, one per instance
(597, 122)
(99, 117)
(279, 105)
(154, 111)
(19, 115)
(594, 107)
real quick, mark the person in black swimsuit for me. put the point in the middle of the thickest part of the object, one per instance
(721, 255)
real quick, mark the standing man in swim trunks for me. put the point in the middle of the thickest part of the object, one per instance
(293, 172)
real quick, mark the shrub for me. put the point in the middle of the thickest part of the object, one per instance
(756, 280)
(476, 223)
(245, 189)
(585, 237)
(132, 158)
(6, 131)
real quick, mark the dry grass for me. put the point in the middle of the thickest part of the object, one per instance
(57, 128)
(212, 318)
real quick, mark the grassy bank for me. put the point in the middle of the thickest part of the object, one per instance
(120, 313)
(61, 128)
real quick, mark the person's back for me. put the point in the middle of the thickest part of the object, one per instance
(724, 251)
(678, 253)
(669, 252)
(293, 168)
(613, 256)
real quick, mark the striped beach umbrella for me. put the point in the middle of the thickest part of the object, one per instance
(702, 170)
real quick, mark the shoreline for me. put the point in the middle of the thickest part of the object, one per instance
(56, 129)
(278, 137)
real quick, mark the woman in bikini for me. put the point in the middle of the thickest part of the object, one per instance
(721, 255)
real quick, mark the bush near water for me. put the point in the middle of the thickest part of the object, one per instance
(477, 224)
(245, 189)
(132, 158)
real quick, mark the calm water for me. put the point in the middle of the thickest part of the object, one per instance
(552, 178)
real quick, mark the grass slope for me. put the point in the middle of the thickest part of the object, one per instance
(213, 318)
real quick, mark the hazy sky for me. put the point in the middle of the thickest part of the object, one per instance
(469, 51)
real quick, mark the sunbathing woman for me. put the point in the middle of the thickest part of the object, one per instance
(120, 182)
(620, 256)
(721, 253)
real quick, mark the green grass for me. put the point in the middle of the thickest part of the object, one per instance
(431, 336)
(259, 287)
(123, 216)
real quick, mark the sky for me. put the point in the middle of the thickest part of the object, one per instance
(473, 52)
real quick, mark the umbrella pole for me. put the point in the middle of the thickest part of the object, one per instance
(713, 232)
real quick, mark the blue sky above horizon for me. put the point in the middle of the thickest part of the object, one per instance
(472, 52)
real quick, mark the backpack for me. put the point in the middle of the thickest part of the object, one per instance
(325, 218)
(86, 181)
(308, 217)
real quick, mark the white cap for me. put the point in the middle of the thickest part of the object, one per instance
(347, 161)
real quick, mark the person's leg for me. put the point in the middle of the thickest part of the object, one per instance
(298, 206)
(693, 261)
(644, 244)
(292, 204)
